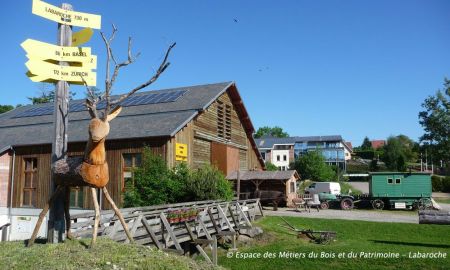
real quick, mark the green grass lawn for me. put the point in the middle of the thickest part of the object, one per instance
(106, 255)
(442, 200)
(352, 236)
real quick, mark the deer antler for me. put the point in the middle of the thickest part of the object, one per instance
(109, 82)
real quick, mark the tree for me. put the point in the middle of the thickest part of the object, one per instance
(435, 120)
(366, 145)
(271, 167)
(312, 166)
(47, 94)
(396, 152)
(5, 108)
(266, 131)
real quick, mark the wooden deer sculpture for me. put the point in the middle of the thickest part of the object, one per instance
(92, 169)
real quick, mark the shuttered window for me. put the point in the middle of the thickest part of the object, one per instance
(228, 122)
(30, 182)
(223, 120)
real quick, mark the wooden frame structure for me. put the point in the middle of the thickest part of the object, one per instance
(216, 221)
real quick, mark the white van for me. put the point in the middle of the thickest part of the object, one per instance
(327, 187)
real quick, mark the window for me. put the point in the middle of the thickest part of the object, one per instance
(292, 187)
(284, 158)
(397, 180)
(390, 181)
(30, 182)
(223, 120)
(77, 197)
(278, 157)
(130, 162)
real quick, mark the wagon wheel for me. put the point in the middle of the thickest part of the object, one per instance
(424, 204)
(346, 204)
(324, 205)
(378, 204)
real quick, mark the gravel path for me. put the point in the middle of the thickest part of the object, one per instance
(365, 215)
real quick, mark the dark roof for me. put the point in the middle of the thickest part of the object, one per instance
(269, 142)
(263, 175)
(142, 121)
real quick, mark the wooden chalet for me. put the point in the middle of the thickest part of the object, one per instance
(205, 124)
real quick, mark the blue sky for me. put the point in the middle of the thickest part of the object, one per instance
(354, 68)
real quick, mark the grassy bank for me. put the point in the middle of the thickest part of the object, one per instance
(442, 200)
(75, 255)
(352, 236)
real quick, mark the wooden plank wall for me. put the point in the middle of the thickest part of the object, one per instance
(114, 152)
(206, 123)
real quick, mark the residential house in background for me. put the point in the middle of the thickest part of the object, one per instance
(278, 151)
(333, 148)
(377, 143)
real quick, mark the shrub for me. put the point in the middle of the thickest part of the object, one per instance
(365, 154)
(155, 183)
(446, 184)
(208, 183)
(152, 183)
(436, 183)
(271, 167)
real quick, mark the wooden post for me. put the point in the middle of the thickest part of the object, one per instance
(238, 188)
(56, 222)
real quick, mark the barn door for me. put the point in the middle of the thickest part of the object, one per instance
(224, 157)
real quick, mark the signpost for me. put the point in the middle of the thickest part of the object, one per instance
(44, 71)
(42, 50)
(66, 17)
(61, 64)
(81, 36)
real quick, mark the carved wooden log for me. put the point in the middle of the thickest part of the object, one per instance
(74, 172)
(434, 217)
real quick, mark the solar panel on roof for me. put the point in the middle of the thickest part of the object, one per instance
(152, 98)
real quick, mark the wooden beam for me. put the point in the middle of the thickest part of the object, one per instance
(136, 223)
(148, 228)
(225, 218)
(170, 231)
(56, 223)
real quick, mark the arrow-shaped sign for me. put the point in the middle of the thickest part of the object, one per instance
(44, 71)
(42, 50)
(81, 36)
(63, 16)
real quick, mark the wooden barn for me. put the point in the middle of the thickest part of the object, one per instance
(205, 124)
(269, 186)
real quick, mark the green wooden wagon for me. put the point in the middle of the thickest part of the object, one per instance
(400, 190)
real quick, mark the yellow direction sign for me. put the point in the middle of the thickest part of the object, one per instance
(81, 36)
(42, 50)
(63, 16)
(44, 71)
